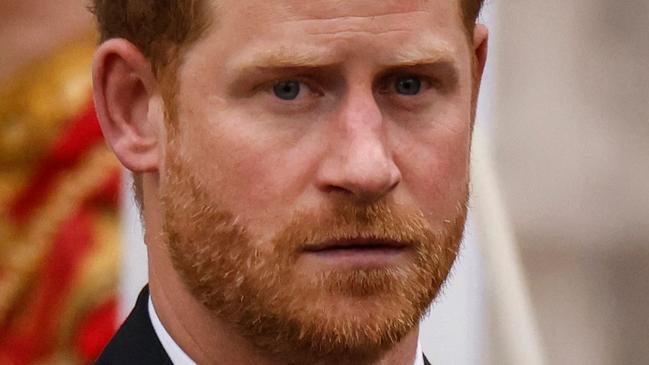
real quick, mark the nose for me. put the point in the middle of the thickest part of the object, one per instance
(359, 162)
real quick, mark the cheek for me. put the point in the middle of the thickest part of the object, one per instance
(435, 171)
(246, 166)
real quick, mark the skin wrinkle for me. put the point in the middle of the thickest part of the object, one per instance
(349, 33)
(358, 26)
(362, 24)
(309, 62)
(185, 326)
(346, 28)
(371, 17)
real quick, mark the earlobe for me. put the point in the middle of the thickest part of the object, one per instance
(124, 88)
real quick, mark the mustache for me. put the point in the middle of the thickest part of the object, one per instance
(350, 223)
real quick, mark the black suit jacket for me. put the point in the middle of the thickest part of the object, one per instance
(136, 342)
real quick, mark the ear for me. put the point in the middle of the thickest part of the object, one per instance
(480, 48)
(125, 91)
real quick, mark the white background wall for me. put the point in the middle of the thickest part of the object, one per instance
(134, 263)
(571, 133)
(455, 332)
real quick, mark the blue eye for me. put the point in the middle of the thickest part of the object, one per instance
(287, 90)
(408, 85)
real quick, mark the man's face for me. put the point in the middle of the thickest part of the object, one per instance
(316, 169)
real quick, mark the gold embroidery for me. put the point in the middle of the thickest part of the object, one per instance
(24, 256)
(35, 103)
(96, 278)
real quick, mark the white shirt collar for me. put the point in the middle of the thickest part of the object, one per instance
(176, 354)
(179, 357)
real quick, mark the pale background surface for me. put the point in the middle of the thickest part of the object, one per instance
(571, 137)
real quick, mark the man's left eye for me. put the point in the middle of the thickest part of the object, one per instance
(410, 85)
(287, 90)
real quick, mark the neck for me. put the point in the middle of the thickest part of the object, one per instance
(37, 27)
(202, 336)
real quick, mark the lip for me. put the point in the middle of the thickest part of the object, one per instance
(357, 253)
(357, 244)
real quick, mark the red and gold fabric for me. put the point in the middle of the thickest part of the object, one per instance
(59, 220)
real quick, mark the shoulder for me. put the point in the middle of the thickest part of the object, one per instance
(135, 342)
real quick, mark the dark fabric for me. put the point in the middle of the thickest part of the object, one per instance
(135, 343)
(426, 362)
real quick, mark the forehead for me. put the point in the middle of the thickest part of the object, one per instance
(332, 9)
(327, 32)
(259, 19)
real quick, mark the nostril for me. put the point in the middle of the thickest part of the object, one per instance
(363, 183)
(338, 189)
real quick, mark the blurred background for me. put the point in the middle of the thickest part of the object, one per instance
(570, 130)
(555, 265)
(59, 190)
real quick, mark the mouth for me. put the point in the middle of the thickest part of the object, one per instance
(358, 252)
(356, 244)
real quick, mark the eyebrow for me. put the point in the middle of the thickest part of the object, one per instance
(422, 55)
(284, 57)
(316, 57)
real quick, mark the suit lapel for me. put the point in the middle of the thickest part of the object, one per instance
(135, 343)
